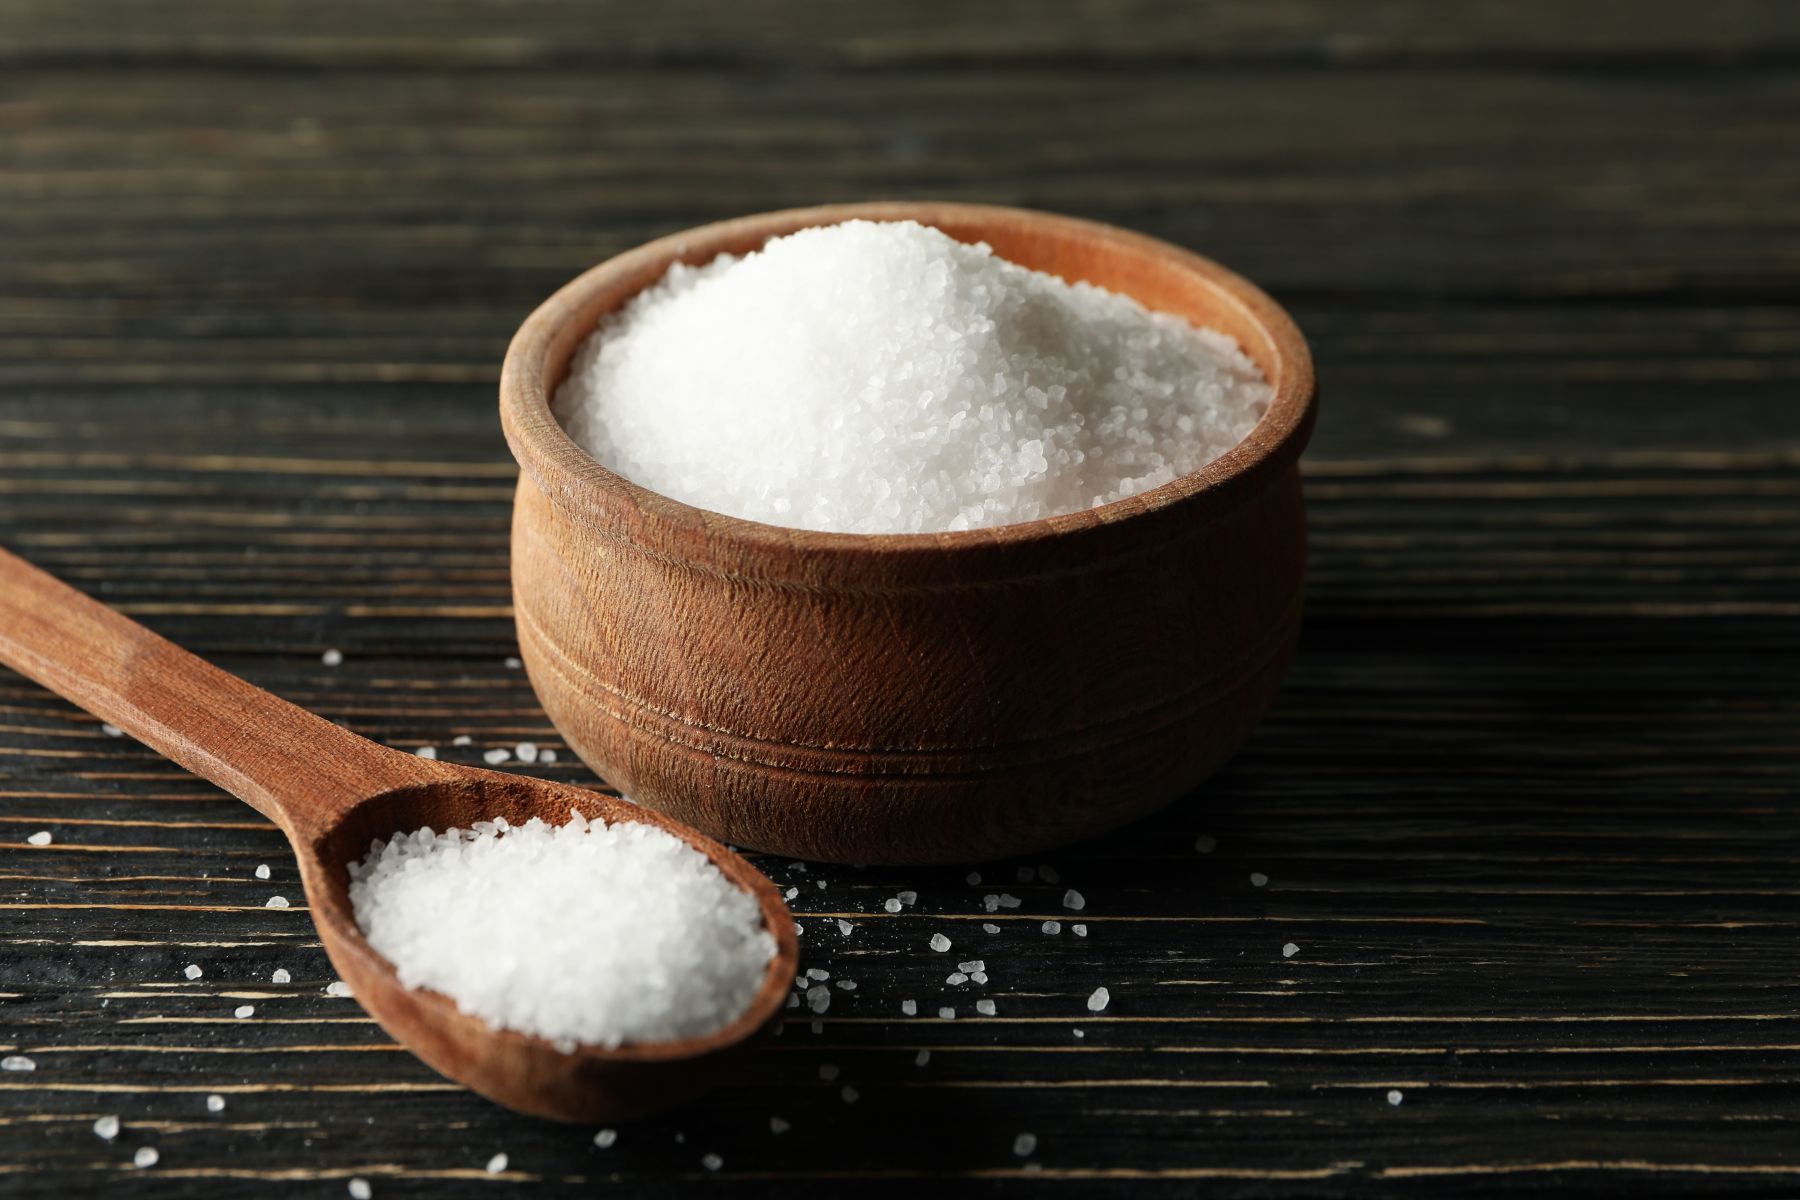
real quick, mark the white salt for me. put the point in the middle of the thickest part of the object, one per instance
(276, 902)
(40, 838)
(215, 1103)
(1078, 930)
(146, 1157)
(17, 1062)
(921, 1058)
(779, 1126)
(884, 378)
(850, 1094)
(338, 988)
(192, 971)
(1099, 1000)
(496, 1164)
(359, 1188)
(1258, 879)
(605, 1138)
(947, 1013)
(1052, 927)
(332, 658)
(1289, 950)
(891, 904)
(600, 934)
(1025, 1144)
(262, 870)
(939, 942)
(989, 927)
(106, 1128)
(526, 752)
(112, 730)
(462, 739)
(281, 976)
(1395, 1097)
(712, 1162)
(426, 752)
(985, 1007)
(514, 662)
(495, 757)
(1074, 899)
(244, 1011)
(909, 1008)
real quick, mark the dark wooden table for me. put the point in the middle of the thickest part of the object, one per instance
(1529, 806)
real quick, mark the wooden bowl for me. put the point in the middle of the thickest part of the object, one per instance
(910, 698)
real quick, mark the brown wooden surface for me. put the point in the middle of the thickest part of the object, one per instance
(1527, 803)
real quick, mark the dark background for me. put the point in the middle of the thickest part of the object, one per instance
(1529, 805)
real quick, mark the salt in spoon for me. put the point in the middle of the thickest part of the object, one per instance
(332, 793)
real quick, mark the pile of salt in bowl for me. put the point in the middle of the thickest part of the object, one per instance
(884, 378)
(579, 933)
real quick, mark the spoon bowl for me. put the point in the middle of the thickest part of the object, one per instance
(333, 793)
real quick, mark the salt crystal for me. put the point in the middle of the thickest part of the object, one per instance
(17, 1062)
(817, 973)
(907, 898)
(262, 870)
(215, 1103)
(1052, 926)
(496, 756)
(1078, 930)
(1080, 1033)
(145, 1157)
(891, 905)
(192, 971)
(112, 730)
(818, 998)
(281, 976)
(1258, 879)
(848, 985)
(974, 964)
(496, 1164)
(711, 1162)
(1074, 899)
(605, 1138)
(332, 658)
(107, 1128)
(1395, 1097)
(276, 902)
(1049, 875)
(359, 1188)
(947, 1013)
(921, 1058)
(985, 1007)
(462, 739)
(850, 1094)
(828, 1071)
(585, 932)
(790, 893)
(546, 757)
(989, 927)
(526, 751)
(337, 988)
(909, 1008)
(844, 927)
(1099, 1000)
(514, 662)
(973, 878)
(1289, 950)
(778, 1126)
(1025, 1144)
(243, 1011)
(939, 942)
(978, 976)
(956, 979)
(426, 752)
(40, 838)
(1007, 900)
(883, 378)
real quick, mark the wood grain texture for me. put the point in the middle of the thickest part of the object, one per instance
(1527, 801)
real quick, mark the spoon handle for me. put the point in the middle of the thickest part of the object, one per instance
(290, 765)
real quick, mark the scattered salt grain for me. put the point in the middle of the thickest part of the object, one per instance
(978, 976)
(956, 979)
(973, 878)
(244, 1011)
(605, 1138)
(1205, 844)
(1395, 1097)
(1099, 1000)
(276, 902)
(514, 662)
(778, 1126)
(496, 756)
(1078, 930)
(817, 973)
(262, 870)
(496, 1164)
(1052, 927)
(1074, 899)
(1258, 879)
(359, 1189)
(850, 1094)
(1289, 950)
(339, 988)
(712, 1162)
(846, 985)
(1080, 1033)
(1007, 900)
(462, 739)
(112, 730)
(818, 998)
(426, 752)
(1049, 875)
(909, 1008)
(17, 1062)
(891, 904)
(1025, 1145)
(884, 378)
(281, 976)
(845, 927)
(921, 1058)
(215, 1103)
(828, 1071)
(332, 658)
(526, 752)
(40, 838)
(546, 757)
(907, 898)
(145, 1157)
(192, 971)
(585, 931)
(939, 942)
(985, 1007)
(989, 927)
(107, 1128)
(947, 1013)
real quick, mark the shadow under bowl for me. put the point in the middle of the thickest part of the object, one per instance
(911, 698)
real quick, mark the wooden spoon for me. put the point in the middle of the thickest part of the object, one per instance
(331, 793)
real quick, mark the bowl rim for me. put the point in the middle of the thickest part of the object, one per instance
(622, 510)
